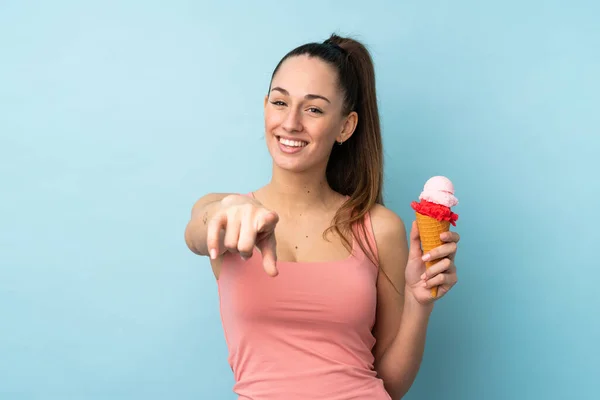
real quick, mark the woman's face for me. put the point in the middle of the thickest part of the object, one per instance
(303, 114)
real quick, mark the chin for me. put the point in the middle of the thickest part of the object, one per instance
(288, 164)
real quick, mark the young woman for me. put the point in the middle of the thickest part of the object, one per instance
(320, 296)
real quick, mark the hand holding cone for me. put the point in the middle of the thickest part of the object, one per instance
(434, 216)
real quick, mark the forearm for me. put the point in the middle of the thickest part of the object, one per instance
(401, 361)
(202, 212)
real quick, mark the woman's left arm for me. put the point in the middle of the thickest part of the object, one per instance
(404, 301)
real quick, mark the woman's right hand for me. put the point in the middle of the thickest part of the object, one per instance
(246, 224)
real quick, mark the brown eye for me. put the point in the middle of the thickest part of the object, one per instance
(315, 110)
(278, 103)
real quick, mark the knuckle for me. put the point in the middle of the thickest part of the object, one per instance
(230, 200)
(260, 212)
(230, 213)
(213, 221)
(244, 247)
(253, 213)
(226, 200)
(213, 226)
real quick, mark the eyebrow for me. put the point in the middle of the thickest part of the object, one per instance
(308, 96)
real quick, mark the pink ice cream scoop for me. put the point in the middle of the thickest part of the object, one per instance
(439, 190)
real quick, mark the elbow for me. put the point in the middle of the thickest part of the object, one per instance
(396, 382)
(396, 392)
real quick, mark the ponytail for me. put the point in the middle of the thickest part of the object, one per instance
(356, 167)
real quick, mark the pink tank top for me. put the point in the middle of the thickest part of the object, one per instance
(305, 334)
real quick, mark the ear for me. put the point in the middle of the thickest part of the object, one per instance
(348, 127)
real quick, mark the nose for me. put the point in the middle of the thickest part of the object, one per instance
(292, 122)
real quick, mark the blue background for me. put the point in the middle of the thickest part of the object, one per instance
(116, 116)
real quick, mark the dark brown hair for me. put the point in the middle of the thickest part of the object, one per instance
(355, 168)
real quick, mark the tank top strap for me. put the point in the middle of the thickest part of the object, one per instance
(364, 232)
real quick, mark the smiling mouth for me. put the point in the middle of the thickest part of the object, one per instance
(291, 143)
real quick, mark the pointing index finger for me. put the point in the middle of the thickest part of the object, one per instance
(213, 232)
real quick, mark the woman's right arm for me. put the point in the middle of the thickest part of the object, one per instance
(222, 222)
(197, 227)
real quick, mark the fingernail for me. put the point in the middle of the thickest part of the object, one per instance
(424, 284)
(426, 257)
(213, 253)
(424, 275)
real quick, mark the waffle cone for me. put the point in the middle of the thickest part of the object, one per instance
(430, 230)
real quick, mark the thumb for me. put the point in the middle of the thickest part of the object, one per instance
(267, 246)
(415, 243)
(266, 222)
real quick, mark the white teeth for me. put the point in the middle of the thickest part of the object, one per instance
(292, 143)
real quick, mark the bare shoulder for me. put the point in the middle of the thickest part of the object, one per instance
(392, 244)
(388, 228)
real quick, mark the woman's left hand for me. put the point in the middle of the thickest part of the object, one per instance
(419, 280)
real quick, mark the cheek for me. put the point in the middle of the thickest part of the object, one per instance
(272, 119)
(322, 130)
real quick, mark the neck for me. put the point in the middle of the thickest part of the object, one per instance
(294, 191)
